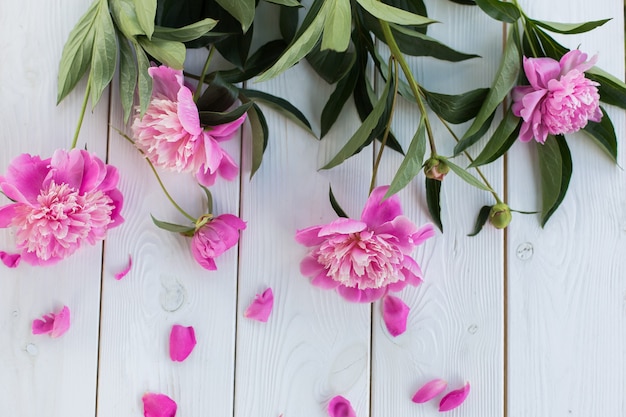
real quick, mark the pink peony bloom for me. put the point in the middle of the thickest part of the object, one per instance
(364, 259)
(559, 98)
(182, 342)
(53, 324)
(170, 134)
(395, 314)
(429, 391)
(59, 203)
(158, 405)
(340, 407)
(214, 238)
(261, 308)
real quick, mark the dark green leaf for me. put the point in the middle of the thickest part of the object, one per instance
(144, 81)
(104, 58)
(457, 108)
(209, 198)
(412, 163)
(468, 141)
(612, 90)
(465, 2)
(146, 12)
(415, 43)
(286, 3)
(336, 101)
(219, 95)
(433, 201)
(128, 75)
(260, 134)
(569, 28)
(330, 65)
(504, 12)
(288, 22)
(335, 205)
(604, 134)
(172, 227)
(186, 33)
(281, 105)
(483, 215)
(549, 47)
(214, 118)
(467, 177)
(393, 14)
(242, 10)
(501, 140)
(555, 166)
(236, 47)
(168, 53)
(258, 62)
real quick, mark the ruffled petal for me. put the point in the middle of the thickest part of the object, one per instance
(261, 307)
(182, 342)
(455, 398)
(67, 167)
(343, 226)
(12, 260)
(540, 70)
(158, 405)
(188, 112)
(340, 407)
(228, 168)
(53, 324)
(126, 270)
(166, 82)
(378, 211)
(429, 391)
(24, 178)
(205, 176)
(395, 314)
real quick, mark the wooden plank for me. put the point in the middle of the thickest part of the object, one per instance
(40, 375)
(566, 281)
(455, 326)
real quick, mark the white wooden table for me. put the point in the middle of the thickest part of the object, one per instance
(534, 319)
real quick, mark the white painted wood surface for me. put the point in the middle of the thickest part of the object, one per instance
(564, 301)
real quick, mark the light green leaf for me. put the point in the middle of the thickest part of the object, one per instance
(169, 53)
(104, 56)
(146, 11)
(504, 12)
(555, 166)
(125, 17)
(242, 10)
(466, 176)
(393, 14)
(172, 227)
(77, 52)
(288, 3)
(569, 28)
(144, 81)
(412, 163)
(338, 26)
(186, 33)
(128, 75)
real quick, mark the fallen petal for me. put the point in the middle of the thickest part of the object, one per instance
(125, 271)
(429, 391)
(53, 324)
(158, 405)
(395, 313)
(340, 407)
(261, 307)
(182, 342)
(455, 398)
(12, 260)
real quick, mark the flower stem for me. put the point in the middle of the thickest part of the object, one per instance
(82, 113)
(415, 88)
(205, 69)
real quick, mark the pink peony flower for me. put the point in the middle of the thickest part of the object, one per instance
(364, 259)
(215, 237)
(59, 203)
(170, 134)
(53, 324)
(559, 98)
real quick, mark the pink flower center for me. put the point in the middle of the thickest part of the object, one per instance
(362, 260)
(63, 219)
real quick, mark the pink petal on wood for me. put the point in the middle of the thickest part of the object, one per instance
(455, 398)
(429, 391)
(12, 260)
(126, 270)
(53, 324)
(182, 342)
(158, 405)
(340, 407)
(261, 307)
(395, 313)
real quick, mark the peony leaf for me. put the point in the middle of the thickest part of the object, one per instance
(128, 75)
(569, 28)
(504, 12)
(604, 134)
(242, 10)
(260, 134)
(284, 107)
(104, 58)
(265, 56)
(433, 200)
(416, 43)
(466, 176)
(336, 34)
(172, 227)
(288, 3)
(261, 307)
(169, 53)
(483, 215)
(186, 33)
(457, 108)
(429, 391)
(343, 90)
(612, 90)
(501, 140)
(455, 398)
(555, 167)
(395, 314)
(125, 17)
(331, 65)
(215, 118)
(412, 163)
(144, 81)
(182, 342)
(335, 205)
(393, 14)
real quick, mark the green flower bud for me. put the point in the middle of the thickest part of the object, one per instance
(500, 216)
(436, 168)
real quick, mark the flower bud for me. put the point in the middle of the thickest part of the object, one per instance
(500, 216)
(436, 168)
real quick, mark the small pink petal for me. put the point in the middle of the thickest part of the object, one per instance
(340, 407)
(395, 313)
(126, 270)
(53, 324)
(158, 405)
(261, 307)
(429, 391)
(455, 398)
(182, 342)
(12, 260)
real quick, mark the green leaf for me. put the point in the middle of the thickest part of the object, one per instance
(604, 134)
(219, 95)
(335, 205)
(504, 12)
(433, 201)
(125, 17)
(128, 75)
(363, 132)
(242, 10)
(260, 134)
(612, 90)
(172, 227)
(549, 47)
(288, 23)
(146, 11)
(169, 53)
(287, 3)
(186, 33)
(468, 141)
(209, 198)
(505, 79)
(336, 101)
(235, 47)
(144, 81)
(555, 166)
(464, 2)
(77, 52)
(104, 58)
(412, 163)
(330, 65)
(457, 108)
(393, 14)
(569, 28)
(501, 140)
(483, 215)
(282, 106)
(467, 177)
(215, 118)
(338, 23)
(413, 42)
(265, 56)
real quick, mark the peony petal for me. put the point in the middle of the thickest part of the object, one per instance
(182, 342)
(12, 260)
(455, 398)
(165, 82)
(125, 271)
(340, 407)
(7, 213)
(228, 168)
(158, 405)
(395, 313)
(310, 267)
(540, 70)
(309, 236)
(225, 131)
(205, 176)
(321, 280)
(53, 324)
(378, 211)
(24, 178)
(68, 167)
(261, 307)
(188, 112)
(343, 226)
(429, 391)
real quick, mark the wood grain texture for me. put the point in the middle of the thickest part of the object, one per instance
(566, 281)
(455, 327)
(39, 375)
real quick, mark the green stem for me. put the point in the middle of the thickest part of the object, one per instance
(415, 88)
(82, 113)
(196, 94)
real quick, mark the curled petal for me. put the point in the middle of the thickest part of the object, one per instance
(182, 342)
(429, 391)
(12, 260)
(455, 398)
(53, 324)
(378, 211)
(261, 307)
(126, 270)
(395, 313)
(342, 226)
(158, 405)
(340, 407)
